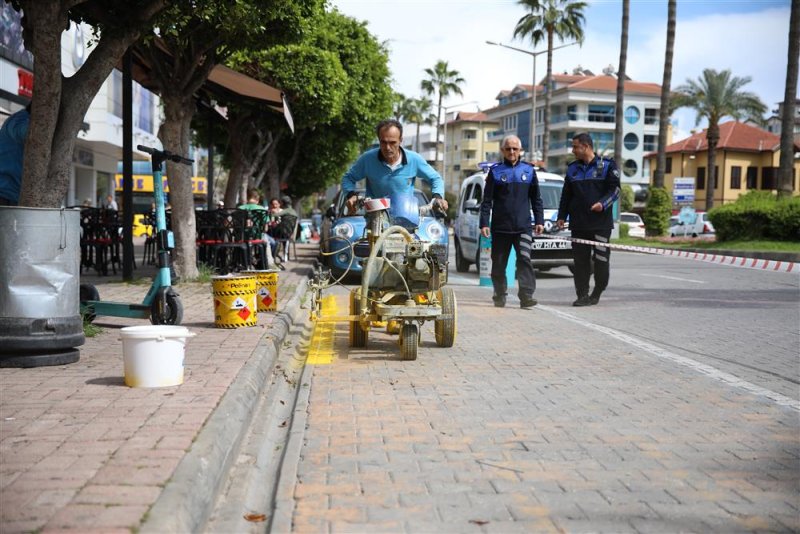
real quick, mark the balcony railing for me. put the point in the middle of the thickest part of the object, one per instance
(496, 135)
(592, 117)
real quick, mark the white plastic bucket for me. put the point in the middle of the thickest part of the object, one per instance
(153, 355)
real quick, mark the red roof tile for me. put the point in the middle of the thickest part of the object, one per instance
(609, 83)
(733, 135)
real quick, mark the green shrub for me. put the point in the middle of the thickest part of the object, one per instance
(657, 212)
(626, 198)
(757, 215)
(624, 229)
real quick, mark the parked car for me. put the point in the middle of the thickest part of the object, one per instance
(339, 232)
(634, 222)
(701, 225)
(546, 253)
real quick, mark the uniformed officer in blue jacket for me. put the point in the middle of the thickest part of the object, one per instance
(510, 193)
(590, 189)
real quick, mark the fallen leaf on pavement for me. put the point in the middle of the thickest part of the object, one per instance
(255, 518)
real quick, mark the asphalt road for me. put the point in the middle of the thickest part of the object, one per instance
(740, 321)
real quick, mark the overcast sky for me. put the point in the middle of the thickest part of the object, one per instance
(749, 37)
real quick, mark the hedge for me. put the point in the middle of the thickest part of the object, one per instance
(758, 215)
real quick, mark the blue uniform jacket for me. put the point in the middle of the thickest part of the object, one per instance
(585, 185)
(382, 181)
(12, 143)
(509, 195)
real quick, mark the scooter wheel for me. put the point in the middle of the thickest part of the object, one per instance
(166, 308)
(88, 292)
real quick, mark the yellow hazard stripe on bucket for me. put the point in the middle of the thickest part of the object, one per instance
(234, 301)
(321, 351)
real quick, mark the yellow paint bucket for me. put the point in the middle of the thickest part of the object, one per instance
(266, 288)
(234, 301)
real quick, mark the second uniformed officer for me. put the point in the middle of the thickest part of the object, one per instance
(510, 193)
(590, 189)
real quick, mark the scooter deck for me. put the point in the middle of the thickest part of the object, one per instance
(118, 309)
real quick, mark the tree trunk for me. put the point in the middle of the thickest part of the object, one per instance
(712, 136)
(237, 147)
(786, 165)
(59, 104)
(175, 136)
(623, 61)
(416, 141)
(663, 113)
(438, 123)
(547, 91)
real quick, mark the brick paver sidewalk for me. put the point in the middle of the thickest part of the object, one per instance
(80, 450)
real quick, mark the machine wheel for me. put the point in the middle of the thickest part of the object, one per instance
(445, 329)
(393, 326)
(166, 308)
(462, 265)
(409, 341)
(358, 336)
(88, 292)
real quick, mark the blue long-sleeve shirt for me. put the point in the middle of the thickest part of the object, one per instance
(12, 144)
(382, 181)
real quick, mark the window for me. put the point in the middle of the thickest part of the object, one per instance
(510, 122)
(768, 178)
(630, 167)
(572, 112)
(736, 177)
(701, 178)
(598, 113)
(469, 134)
(632, 115)
(752, 177)
(650, 116)
(650, 143)
(631, 141)
(668, 165)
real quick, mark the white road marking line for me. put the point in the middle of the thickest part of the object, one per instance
(675, 278)
(709, 371)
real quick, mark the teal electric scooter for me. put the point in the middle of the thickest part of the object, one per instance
(161, 304)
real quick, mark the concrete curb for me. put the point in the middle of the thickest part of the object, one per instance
(189, 497)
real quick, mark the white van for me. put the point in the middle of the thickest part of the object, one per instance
(546, 254)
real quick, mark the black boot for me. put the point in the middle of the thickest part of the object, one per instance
(583, 300)
(499, 301)
(594, 298)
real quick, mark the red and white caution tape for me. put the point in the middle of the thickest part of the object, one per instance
(733, 261)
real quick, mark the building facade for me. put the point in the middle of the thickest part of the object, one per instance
(584, 102)
(747, 158)
(466, 144)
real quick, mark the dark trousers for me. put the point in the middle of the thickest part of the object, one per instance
(587, 256)
(501, 249)
(6, 202)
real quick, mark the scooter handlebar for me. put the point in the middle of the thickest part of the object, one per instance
(166, 154)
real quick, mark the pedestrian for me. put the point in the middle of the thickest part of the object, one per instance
(111, 203)
(12, 147)
(510, 194)
(590, 189)
(253, 200)
(390, 169)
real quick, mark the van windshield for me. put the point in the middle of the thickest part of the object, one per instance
(551, 194)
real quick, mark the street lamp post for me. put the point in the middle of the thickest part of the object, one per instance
(444, 150)
(534, 55)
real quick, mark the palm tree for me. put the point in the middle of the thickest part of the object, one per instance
(789, 104)
(399, 105)
(549, 19)
(443, 82)
(714, 96)
(623, 62)
(419, 111)
(664, 111)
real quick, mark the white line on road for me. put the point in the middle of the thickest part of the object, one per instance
(674, 278)
(701, 368)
